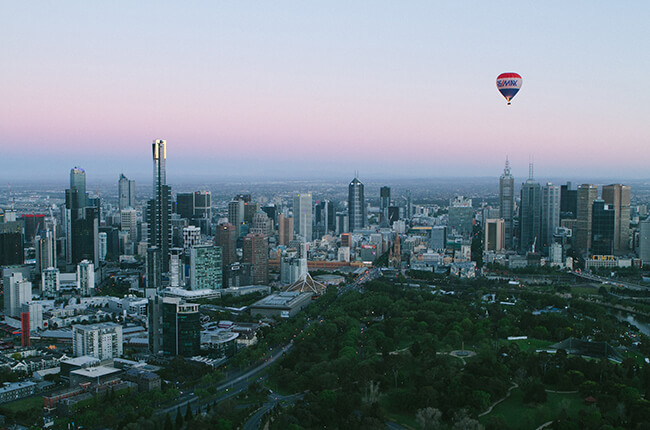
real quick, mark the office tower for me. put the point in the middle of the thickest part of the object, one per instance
(272, 212)
(102, 341)
(17, 291)
(205, 267)
(285, 230)
(50, 283)
(177, 267)
(302, 215)
(112, 242)
(644, 241)
(550, 214)
(178, 224)
(618, 197)
(160, 207)
(191, 236)
(203, 204)
(384, 203)
(126, 192)
(185, 205)
(236, 214)
(568, 202)
(461, 215)
(86, 278)
(342, 222)
(256, 252)
(346, 240)
(12, 251)
(494, 235)
(129, 223)
(226, 239)
(323, 218)
(250, 209)
(45, 246)
(357, 215)
(438, 241)
(530, 213)
(602, 228)
(78, 183)
(81, 224)
(33, 225)
(586, 195)
(174, 327)
(154, 270)
(507, 203)
(262, 224)
(393, 214)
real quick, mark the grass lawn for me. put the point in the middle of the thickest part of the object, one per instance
(24, 404)
(532, 344)
(584, 290)
(520, 416)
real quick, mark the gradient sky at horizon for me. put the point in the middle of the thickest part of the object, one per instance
(312, 89)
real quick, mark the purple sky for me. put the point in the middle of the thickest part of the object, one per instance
(302, 89)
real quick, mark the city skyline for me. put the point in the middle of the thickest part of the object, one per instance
(325, 90)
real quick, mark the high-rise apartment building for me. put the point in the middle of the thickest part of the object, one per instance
(177, 267)
(160, 207)
(530, 213)
(191, 236)
(256, 252)
(236, 214)
(86, 278)
(302, 216)
(550, 213)
(507, 203)
(17, 291)
(126, 192)
(618, 197)
(129, 223)
(50, 283)
(206, 270)
(586, 195)
(154, 270)
(102, 341)
(357, 211)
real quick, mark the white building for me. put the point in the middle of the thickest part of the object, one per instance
(191, 236)
(17, 291)
(103, 245)
(86, 278)
(176, 268)
(35, 310)
(50, 282)
(291, 269)
(302, 216)
(129, 223)
(102, 341)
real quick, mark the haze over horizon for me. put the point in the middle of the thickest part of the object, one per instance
(311, 91)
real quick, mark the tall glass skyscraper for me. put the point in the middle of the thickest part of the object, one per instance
(384, 202)
(507, 202)
(357, 215)
(126, 189)
(303, 216)
(160, 207)
(530, 214)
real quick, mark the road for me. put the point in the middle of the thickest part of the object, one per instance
(611, 281)
(255, 422)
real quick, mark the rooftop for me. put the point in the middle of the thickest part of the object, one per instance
(95, 372)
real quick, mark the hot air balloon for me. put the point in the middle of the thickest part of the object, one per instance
(509, 85)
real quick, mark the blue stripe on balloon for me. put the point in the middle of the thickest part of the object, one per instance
(509, 93)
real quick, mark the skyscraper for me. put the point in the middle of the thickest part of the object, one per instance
(507, 202)
(236, 214)
(226, 238)
(174, 327)
(160, 207)
(205, 267)
(302, 216)
(494, 234)
(256, 252)
(285, 230)
(126, 192)
(384, 203)
(356, 206)
(81, 224)
(530, 214)
(550, 213)
(602, 228)
(618, 197)
(586, 195)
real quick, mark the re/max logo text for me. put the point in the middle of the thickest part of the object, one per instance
(507, 83)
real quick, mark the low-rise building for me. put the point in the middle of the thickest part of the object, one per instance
(284, 305)
(16, 390)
